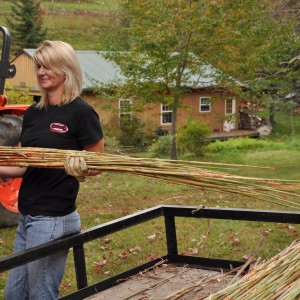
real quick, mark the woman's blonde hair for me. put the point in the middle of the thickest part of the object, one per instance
(60, 58)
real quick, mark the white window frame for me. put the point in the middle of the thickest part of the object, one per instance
(123, 113)
(229, 123)
(165, 109)
(202, 104)
(233, 105)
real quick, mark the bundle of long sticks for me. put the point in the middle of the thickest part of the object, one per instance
(275, 279)
(203, 175)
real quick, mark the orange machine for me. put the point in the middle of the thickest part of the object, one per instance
(9, 187)
(11, 122)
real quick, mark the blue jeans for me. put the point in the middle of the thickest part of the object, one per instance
(40, 279)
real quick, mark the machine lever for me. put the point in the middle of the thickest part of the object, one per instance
(7, 70)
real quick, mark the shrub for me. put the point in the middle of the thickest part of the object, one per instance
(112, 128)
(193, 137)
(111, 143)
(161, 147)
(149, 132)
(132, 132)
(127, 131)
(16, 96)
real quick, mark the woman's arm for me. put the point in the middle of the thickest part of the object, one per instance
(12, 172)
(97, 147)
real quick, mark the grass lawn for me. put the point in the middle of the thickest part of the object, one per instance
(75, 22)
(78, 22)
(110, 196)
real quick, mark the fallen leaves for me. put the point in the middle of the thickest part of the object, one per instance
(292, 230)
(110, 248)
(192, 251)
(135, 250)
(108, 239)
(103, 248)
(65, 286)
(235, 241)
(99, 265)
(152, 237)
(123, 255)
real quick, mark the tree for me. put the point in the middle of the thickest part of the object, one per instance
(274, 76)
(26, 25)
(169, 42)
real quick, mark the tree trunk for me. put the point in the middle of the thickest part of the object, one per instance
(173, 147)
(292, 122)
(272, 114)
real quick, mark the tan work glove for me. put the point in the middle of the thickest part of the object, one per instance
(76, 166)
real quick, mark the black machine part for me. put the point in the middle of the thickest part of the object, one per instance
(7, 70)
(9, 133)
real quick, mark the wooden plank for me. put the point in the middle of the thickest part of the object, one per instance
(165, 281)
(223, 136)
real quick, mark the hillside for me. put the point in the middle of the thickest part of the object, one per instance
(76, 22)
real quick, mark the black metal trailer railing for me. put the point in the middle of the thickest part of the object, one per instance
(169, 213)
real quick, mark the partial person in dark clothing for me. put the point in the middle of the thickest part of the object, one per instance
(47, 196)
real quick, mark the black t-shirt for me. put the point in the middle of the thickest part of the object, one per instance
(48, 191)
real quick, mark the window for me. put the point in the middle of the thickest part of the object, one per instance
(125, 111)
(205, 104)
(166, 114)
(229, 106)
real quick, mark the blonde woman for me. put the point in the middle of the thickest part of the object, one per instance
(47, 197)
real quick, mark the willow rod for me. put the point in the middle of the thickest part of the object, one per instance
(197, 174)
(275, 279)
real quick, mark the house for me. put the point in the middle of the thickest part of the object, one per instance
(206, 101)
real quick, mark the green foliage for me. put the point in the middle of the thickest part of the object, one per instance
(80, 23)
(129, 132)
(132, 132)
(149, 132)
(17, 96)
(161, 63)
(111, 143)
(112, 128)
(193, 137)
(161, 148)
(242, 144)
(82, 6)
(287, 124)
(26, 24)
(275, 71)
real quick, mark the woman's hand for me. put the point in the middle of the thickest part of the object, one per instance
(76, 166)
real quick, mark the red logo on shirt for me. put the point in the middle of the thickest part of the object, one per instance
(58, 127)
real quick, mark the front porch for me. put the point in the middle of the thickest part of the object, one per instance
(223, 136)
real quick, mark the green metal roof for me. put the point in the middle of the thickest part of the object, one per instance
(94, 67)
(98, 69)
